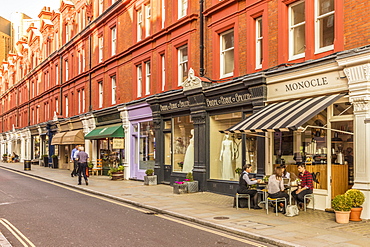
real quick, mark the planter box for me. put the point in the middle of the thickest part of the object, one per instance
(117, 175)
(150, 180)
(55, 163)
(180, 188)
(192, 186)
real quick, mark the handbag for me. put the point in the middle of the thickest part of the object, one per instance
(87, 171)
(292, 210)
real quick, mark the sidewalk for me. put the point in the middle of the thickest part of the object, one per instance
(311, 228)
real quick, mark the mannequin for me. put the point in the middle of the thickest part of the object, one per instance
(189, 155)
(226, 156)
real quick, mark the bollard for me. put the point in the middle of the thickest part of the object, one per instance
(27, 165)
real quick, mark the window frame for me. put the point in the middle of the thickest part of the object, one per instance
(148, 17)
(147, 77)
(163, 71)
(114, 40)
(259, 42)
(101, 48)
(291, 28)
(182, 8)
(101, 94)
(223, 52)
(114, 88)
(181, 62)
(317, 29)
(139, 81)
(139, 15)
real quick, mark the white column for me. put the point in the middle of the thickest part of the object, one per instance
(359, 94)
(125, 125)
(23, 149)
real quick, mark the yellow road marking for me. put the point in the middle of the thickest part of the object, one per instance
(141, 210)
(16, 233)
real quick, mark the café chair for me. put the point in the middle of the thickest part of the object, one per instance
(276, 201)
(98, 168)
(305, 198)
(246, 196)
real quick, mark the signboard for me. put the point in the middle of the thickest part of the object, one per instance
(118, 143)
(175, 105)
(229, 99)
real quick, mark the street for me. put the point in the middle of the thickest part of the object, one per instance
(48, 214)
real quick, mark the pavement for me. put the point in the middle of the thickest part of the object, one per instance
(310, 228)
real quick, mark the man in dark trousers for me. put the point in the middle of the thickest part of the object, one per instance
(73, 158)
(82, 158)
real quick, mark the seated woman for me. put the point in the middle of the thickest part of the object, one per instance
(276, 187)
(306, 186)
(245, 183)
(285, 174)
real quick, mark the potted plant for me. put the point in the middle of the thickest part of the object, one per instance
(90, 166)
(54, 159)
(180, 187)
(356, 199)
(116, 173)
(238, 171)
(150, 178)
(192, 185)
(45, 159)
(5, 158)
(342, 208)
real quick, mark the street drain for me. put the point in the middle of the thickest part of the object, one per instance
(221, 218)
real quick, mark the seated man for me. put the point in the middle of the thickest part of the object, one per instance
(306, 186)
(244, 186)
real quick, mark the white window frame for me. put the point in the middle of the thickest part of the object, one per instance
(181, 63)
(163, 71)
(222, 54)
(67, 33)
(56, 74)
(79, 61)
(79, 101)
(147, 77)
(101, 96)
(114, 40)
(67, 105)
(101, 48)
(139, 25)
(259, 43)
(148, 16)
(291, 32)
(114, 87)
(56, 105)
(101, 7)
(317, 29)
(66, 69)
(139, 74)
(182, 8)
(83, 60)
(83, 100)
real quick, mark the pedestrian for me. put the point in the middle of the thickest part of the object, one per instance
(74, 171)
(82, 158)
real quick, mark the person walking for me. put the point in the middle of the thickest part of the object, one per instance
(82, 158)
(74, 171)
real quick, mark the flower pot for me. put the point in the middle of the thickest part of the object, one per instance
(192, 186)
(342, 217)
(55, 162)
(117, 175)
(180, 188)
(355, 214)
(150, 180)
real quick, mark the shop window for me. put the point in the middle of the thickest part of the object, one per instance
(324, 25)
(340, 109)
(225, 150)
(146, 146)
(227, 53)
(297, 33)
(183, 144)
(36, 147)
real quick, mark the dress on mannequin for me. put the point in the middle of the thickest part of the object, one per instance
(189, 155)
(226, 156)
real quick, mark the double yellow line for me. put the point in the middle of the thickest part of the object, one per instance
(13, 230)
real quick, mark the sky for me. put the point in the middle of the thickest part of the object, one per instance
(30, 7)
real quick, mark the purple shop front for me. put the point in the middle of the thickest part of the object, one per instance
(142, 139)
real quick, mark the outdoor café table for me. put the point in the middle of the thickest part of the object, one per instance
(290, 189)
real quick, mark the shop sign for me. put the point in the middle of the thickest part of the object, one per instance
(228, 99)
(175, 105)
(118, 143)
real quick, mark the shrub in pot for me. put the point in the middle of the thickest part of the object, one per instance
(342, 208)
(54, 159)
(116, 173)
(150, 178)
(45, 159)
(356, 199)
(192, 185)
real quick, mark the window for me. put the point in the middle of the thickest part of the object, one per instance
(139, 80)
(101, 5)
(324, 25)
(79, 101)
(56, 74)
(67, 105)
(67, 33)
(146, 145)
(182, 144)
(139, 25)
(227, 53)
(183, 6)
(100, 43)
(114, 40)
(297, 34)
(79, 61)
(147, 78)
(113, 79)
(259, 47)
(100, 94)
(83, 60)
(182, 64)
(163, 12)
(67, 69)
(147, 20)
(163, 66)
(83, 100)
(56, 105)
(56, 41)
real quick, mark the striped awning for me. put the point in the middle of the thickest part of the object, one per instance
(284, 116)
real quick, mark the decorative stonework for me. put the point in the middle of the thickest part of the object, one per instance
(359, 73)
(360, 103)
(192, 81)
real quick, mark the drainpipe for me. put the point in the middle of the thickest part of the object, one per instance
(201, 37)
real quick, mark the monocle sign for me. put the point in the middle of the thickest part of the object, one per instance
(229, 99)
(330, 82)
(174, 105)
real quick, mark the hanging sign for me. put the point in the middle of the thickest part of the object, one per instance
(118, 143)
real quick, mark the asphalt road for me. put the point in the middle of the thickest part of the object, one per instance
(49, 215)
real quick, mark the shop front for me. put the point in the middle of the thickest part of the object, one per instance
(308, 119)
(142, 139)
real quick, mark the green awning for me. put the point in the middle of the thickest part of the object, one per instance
(106, 132)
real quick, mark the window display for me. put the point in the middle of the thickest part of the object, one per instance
(36, 147)
(182, 144)
(146, 146)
